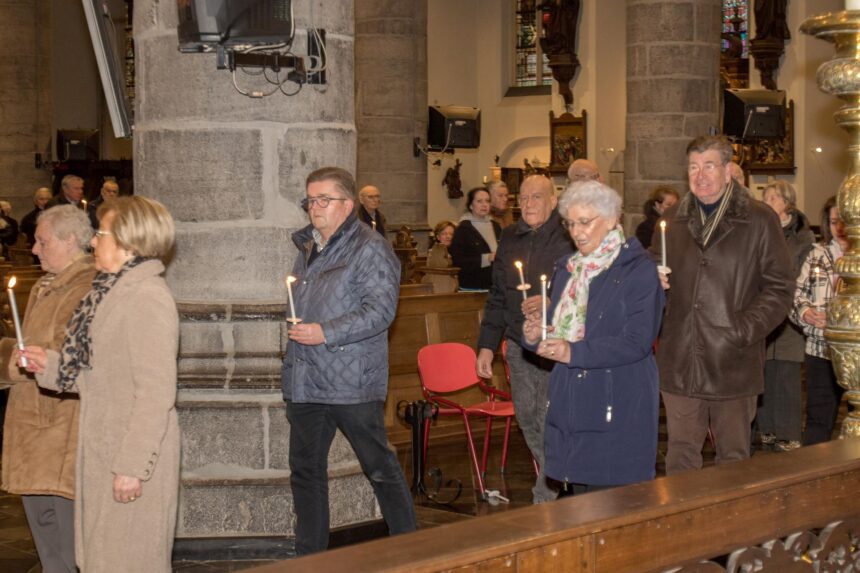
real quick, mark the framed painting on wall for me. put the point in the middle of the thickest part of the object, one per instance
(567, 137)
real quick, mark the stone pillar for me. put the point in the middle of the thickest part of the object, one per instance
(25, 99)
(231, 170)
(673, 56)
(391, 105)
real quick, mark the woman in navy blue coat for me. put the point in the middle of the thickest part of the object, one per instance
(605, 312)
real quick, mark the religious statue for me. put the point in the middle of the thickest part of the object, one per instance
(558, 42)
(452, 181)
(770, 19)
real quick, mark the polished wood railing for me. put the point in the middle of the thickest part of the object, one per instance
(792, 512)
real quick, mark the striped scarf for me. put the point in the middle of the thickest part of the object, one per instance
(710, 222)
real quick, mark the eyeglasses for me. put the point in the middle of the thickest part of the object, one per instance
(322, 201)
(100, 234)
(708, 168)
(568, 224)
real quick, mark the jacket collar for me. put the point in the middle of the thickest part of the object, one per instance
(304, 238)
(553, 223)
(738, 207)
(81, 265)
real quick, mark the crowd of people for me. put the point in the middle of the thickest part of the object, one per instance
(715, 316)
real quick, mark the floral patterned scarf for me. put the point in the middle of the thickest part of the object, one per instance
(569, 316)
(76, 353)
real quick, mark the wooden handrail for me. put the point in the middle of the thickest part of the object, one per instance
(652, 526)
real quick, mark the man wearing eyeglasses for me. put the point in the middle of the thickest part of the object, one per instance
(370, 199)
(537, 240)
(730, 282)
(335, 373)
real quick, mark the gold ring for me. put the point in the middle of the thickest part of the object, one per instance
(552, 352)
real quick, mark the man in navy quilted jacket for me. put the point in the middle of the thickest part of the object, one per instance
(335, 373)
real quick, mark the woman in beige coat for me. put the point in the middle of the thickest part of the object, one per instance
(40, 433)
(120, 354)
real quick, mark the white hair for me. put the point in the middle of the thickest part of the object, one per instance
(602, 198)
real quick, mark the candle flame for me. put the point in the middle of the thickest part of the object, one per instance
(518, 264)
(543, 278)
(291, 279)
(663, 225)
(12, 281)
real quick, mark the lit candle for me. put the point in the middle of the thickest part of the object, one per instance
(373, 224)
(852, 4)
(543, 306)
(84, 204)
(523, 285)
(663, 241)
(290, 280)
(13, 306)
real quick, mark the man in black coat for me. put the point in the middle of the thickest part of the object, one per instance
(370, 199)
(537, 240)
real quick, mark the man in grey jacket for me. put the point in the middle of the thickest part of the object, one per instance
(335, 373)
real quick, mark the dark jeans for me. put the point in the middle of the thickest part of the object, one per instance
(312, 429)
(823, 396)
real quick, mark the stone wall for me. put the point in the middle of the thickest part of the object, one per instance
(673, 51)
(391, 104)
(25, 99)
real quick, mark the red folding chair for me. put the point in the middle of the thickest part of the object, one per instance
(450, 367)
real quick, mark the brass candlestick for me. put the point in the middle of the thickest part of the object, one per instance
(840, 76)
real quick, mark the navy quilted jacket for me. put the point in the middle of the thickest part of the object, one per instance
(351, 289)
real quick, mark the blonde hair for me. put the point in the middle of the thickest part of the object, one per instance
(141, 225)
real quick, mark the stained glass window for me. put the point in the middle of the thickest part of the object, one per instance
(736, 20)
(529, 62)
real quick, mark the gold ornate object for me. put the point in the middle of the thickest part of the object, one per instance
(840, 76)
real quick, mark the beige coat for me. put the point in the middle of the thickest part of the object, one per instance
(40, 433)
(128, 427)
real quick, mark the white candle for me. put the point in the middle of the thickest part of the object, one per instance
(543, 306)
(13, 306)
(523, 286)
(290, 280)
(817, 274)
(373, 224)
(852, 4)
(84, 204)
(663, 241)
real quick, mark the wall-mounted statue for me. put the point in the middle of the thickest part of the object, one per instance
(452, 181)
(771, 33)
(558, 42)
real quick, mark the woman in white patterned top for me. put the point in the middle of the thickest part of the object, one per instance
(816, 285)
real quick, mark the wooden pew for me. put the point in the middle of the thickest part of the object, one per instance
(743, 508)
(423, 320)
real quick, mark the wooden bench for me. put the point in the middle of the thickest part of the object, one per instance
(743, 508)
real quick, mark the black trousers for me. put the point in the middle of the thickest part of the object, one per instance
(823, 396)
(312, 429)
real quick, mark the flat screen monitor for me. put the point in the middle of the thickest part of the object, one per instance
(234, 24)
(453, 127)
(754, 114)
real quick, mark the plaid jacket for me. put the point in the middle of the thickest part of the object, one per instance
(815, 288)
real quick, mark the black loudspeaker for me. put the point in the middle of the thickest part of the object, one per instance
(78, 144)
(204, 24)
(754, 114)
(453, 127)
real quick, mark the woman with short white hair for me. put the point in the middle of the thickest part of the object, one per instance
(604, 315)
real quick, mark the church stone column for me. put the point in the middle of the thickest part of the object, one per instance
(673, 53)
(25, 99)
(391, 104)
(231, 170)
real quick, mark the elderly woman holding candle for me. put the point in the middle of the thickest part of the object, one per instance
(816, 284)
(605, 308)
(41, 429)
(119, 353)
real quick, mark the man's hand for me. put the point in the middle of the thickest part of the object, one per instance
(310, 334)
(484, 364)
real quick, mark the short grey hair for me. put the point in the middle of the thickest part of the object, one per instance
(785, 190)
(599, 196)
(68, 220)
